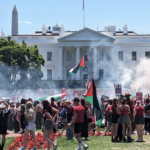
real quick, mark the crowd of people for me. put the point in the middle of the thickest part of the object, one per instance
(122, 116)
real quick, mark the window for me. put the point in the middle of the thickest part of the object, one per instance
(147, 54)
(68, 75)
(101, 56)
(120, 74)
(85, 56)
(101, 73)
(85, 77)
(69, 56)
(49, 74)
(49, 56)
(120, 56)
(134, 56)
(56, 28)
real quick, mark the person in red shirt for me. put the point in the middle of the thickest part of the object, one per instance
(108, 111)
(78, 119)
(139, 120)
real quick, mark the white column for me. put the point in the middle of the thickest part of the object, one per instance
(95, 62)
(77, 61)
(60, 63)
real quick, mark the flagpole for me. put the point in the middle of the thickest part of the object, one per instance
(83, 15)
(86, 86)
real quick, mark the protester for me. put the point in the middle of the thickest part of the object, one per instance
(119, 135)
(22, 116)
(114, 120)
(130, 102)
(147, 116)
(38, 116)
(10, 124)
(105, 104)
(89, 116)
(49, 123)
(85, 123)
(78, 119)
(56, 117)
(30, 128)
(16, 120)
(4, 119)
(69, 111)
(139, 120)
(108, 115)
(124, 111)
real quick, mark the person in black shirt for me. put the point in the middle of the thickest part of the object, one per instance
(22, 116)
(4, 116)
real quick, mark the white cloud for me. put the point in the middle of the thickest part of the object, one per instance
(20, 21)
(28, 22)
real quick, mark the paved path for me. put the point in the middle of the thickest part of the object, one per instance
(12, 134)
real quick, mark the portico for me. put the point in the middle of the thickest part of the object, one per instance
(85, 42)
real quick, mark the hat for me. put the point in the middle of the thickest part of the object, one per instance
(76, 99)
(127, 94)
(4, 99)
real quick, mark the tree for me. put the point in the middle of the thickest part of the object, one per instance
(20, 65)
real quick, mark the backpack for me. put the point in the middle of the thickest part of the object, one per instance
(147, 109)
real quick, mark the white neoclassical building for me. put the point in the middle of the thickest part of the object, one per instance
(106, 52)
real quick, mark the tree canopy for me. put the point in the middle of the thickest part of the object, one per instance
(20, 65)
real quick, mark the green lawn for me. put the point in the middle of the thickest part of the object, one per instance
(9, 141)
(104, 143)
(98, 143)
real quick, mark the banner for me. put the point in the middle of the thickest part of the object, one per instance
(118, 89)
(139, 96)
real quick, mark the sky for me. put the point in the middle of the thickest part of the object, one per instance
(69, 13)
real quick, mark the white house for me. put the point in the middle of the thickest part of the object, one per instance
(106, 52)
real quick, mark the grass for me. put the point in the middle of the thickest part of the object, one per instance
(104, 143)
(9, 141)
(97, 143)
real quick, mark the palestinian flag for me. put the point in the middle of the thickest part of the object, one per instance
(77, 67)
(57, 97)
(91, 97)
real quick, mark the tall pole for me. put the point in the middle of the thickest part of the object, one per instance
(83, 15)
